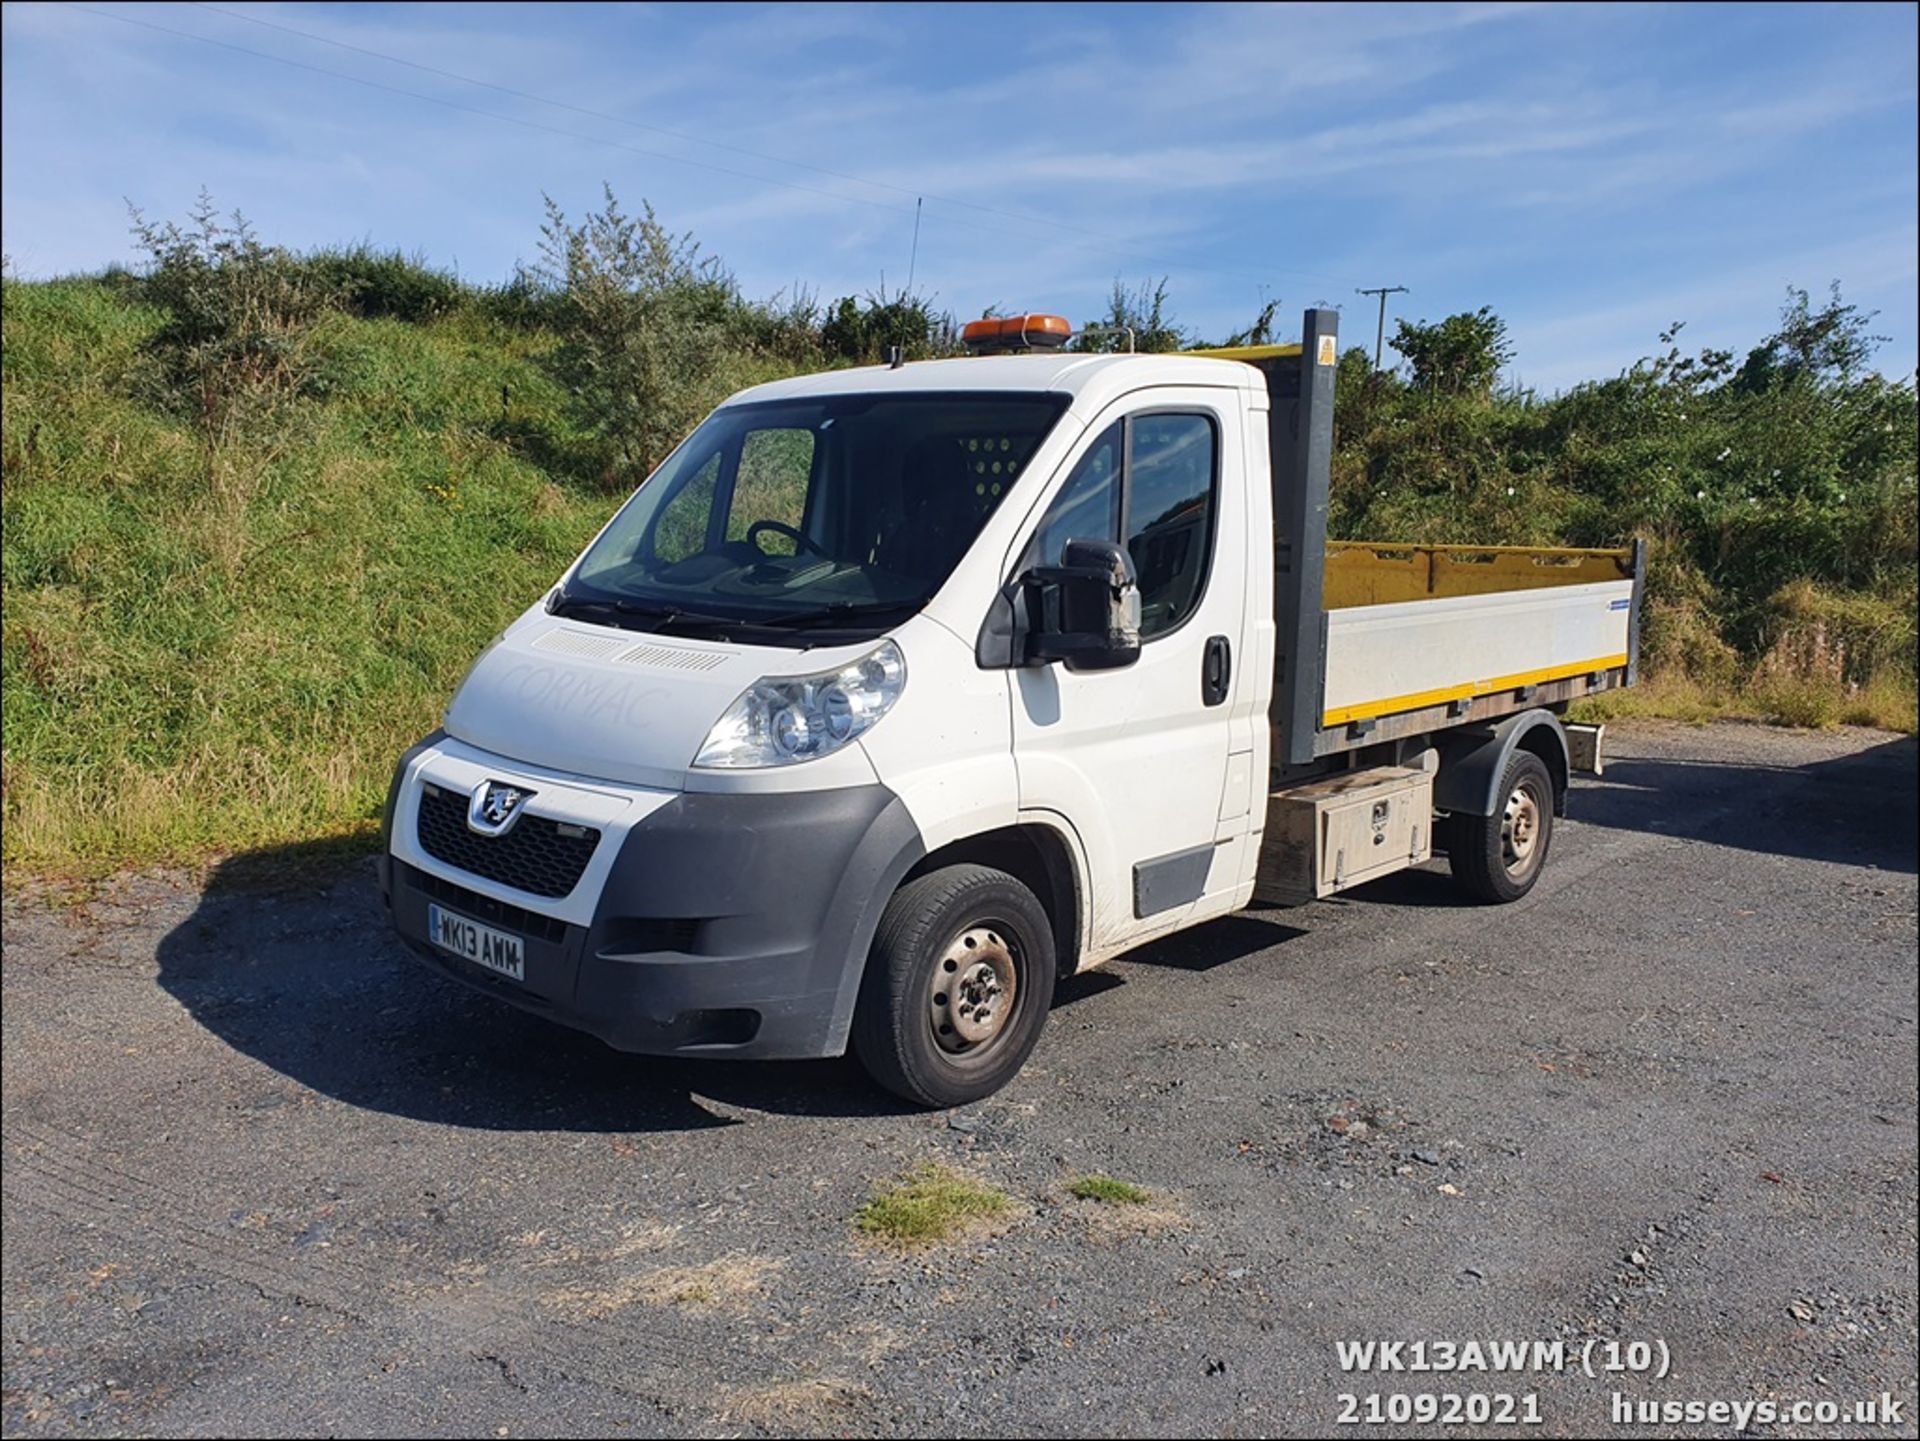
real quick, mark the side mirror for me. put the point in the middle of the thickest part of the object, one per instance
(1084, 611)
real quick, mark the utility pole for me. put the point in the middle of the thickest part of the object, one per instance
(1380, 335)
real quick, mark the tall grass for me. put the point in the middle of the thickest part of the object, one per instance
(196, 662)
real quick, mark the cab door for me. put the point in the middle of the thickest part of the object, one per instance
(1151, 763)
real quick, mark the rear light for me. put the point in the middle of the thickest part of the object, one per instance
(1002, 334)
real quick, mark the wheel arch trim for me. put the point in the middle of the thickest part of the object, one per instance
(1473, 762)
(1062, 871)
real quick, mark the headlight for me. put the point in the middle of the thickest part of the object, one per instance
(783, 719)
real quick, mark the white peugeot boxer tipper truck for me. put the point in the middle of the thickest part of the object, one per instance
(897, 694)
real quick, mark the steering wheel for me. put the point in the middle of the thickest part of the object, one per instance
(801, 541)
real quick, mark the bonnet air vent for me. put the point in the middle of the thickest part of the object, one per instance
(621, 650)
(673, 657)
(573, 642)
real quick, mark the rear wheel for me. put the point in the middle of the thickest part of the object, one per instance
(957, 986)
(1498, 858)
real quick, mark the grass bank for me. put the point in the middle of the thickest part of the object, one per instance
(215, 650)
(222, 626)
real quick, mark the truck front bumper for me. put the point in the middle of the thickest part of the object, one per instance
(722, 924)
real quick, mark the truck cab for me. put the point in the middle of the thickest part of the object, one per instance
(897, 694)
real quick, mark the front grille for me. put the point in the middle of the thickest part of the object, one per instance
(485, 908)
(534, 856)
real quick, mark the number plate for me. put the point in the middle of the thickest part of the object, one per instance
(483, 945)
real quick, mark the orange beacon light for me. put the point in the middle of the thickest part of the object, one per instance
(1001, 335)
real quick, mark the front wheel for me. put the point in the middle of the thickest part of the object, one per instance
(1497, 858)
(957, 986)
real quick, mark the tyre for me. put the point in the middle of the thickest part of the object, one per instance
(957, 986)
(1497, 858)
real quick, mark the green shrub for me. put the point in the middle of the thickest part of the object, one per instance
(1461, 355)
(645, 324)
(1141, 313)
(856, 332)
(377, 284)
(239, 317)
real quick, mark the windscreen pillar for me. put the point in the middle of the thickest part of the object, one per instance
(1300, 440)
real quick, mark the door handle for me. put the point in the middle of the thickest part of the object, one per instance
(1216, 670)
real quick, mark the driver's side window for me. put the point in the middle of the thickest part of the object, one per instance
(1158, 499)
(1088, 505)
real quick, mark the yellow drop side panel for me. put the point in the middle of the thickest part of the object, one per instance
(1252, 354)
(1361, 573)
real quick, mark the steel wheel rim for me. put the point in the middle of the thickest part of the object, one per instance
(1522, 830)
(973, 990)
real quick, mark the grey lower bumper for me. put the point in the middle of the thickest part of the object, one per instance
(733, 925)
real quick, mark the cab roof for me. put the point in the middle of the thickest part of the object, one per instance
(1091, 380)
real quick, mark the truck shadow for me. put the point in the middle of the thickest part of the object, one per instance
(1856, 809)
(1217, 943)
(289, 959)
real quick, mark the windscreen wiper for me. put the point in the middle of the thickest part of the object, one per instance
(562, 604)
(664, 617)
(665, 613)
(824, 616)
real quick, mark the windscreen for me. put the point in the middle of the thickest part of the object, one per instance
(838, 514)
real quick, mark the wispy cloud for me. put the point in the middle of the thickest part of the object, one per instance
(1575, 167)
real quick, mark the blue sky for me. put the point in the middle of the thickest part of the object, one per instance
(1591, 173)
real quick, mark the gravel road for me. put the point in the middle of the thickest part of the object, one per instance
(265, 1174)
